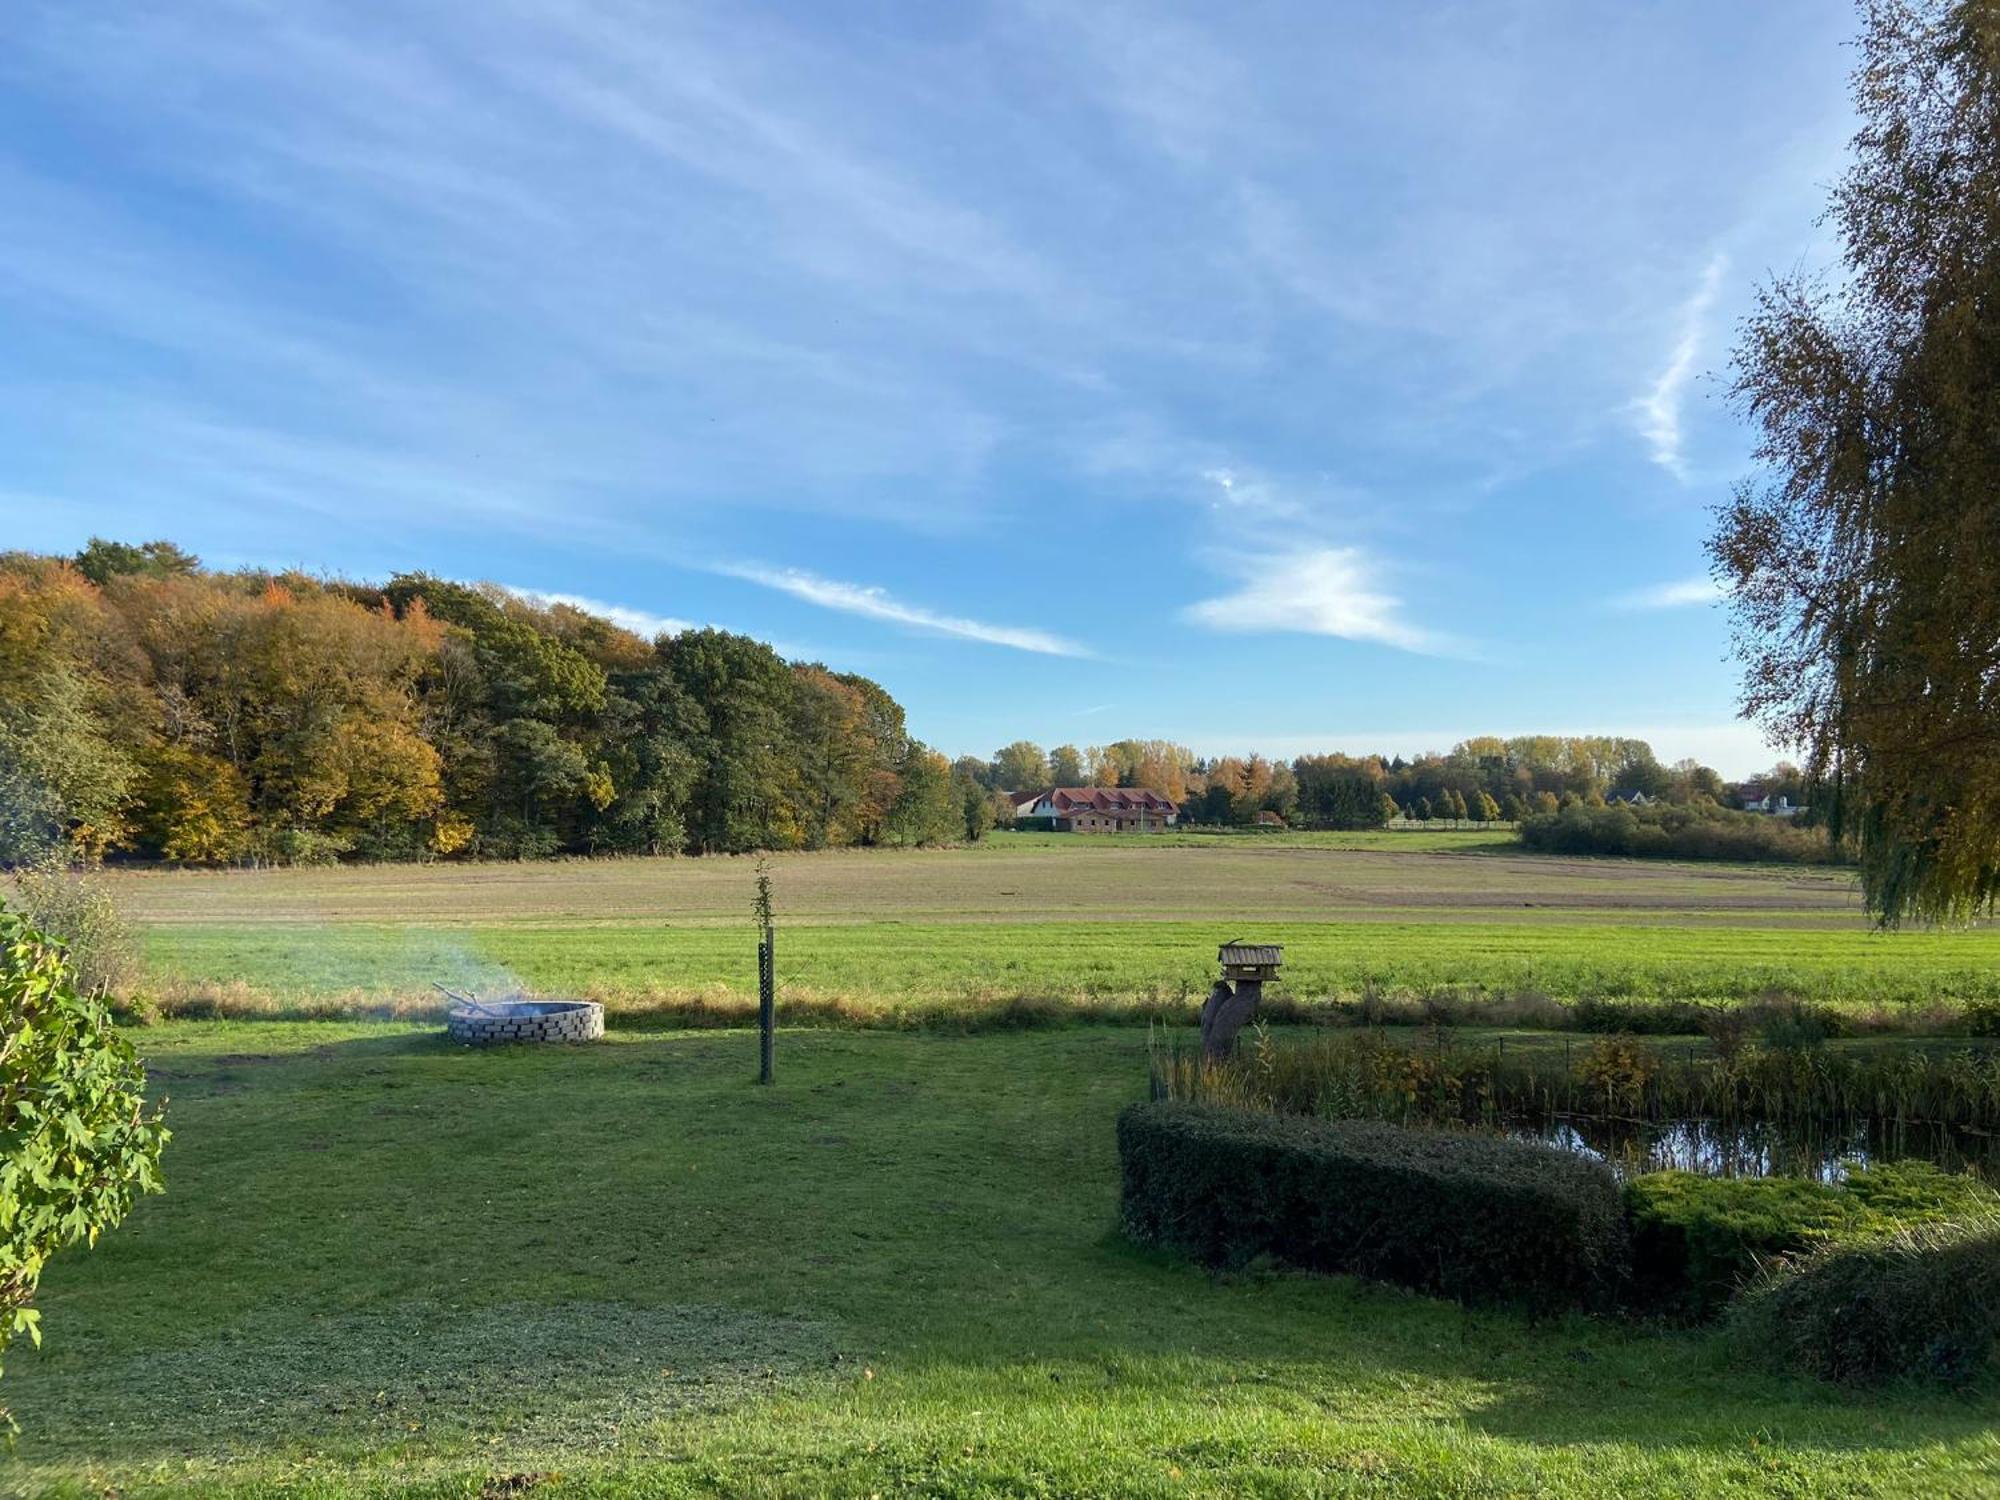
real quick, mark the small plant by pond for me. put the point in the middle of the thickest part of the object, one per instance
(1731, 1105)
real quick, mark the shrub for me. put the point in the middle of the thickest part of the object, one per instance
(1697, 1240)
(79, 1143)
(1691, 831)
(56, 897)
(1479, 1218)
(1919, 1303)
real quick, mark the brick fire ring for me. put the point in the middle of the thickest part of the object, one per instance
(498, 1023)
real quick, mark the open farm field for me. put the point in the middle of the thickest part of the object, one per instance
(384, 1265)
(1126, 924)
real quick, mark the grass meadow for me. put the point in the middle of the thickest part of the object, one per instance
(387, 1266)
(384, 1265)
(1123, 926)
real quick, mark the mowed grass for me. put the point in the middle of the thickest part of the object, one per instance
(385, 1265)
(932, 968)
(1063, 918)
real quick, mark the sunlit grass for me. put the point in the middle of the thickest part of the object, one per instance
(883, 966)
(382, 1262)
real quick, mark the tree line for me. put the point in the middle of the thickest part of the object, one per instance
(1484, 779)
(152, 707)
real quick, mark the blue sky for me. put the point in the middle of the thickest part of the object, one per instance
(1270, 377)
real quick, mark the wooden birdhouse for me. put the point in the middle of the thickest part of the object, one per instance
(1233, 1000)
(1254, 961)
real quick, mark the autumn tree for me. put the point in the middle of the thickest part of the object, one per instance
(1020, 767)
(927, 809)
(1864, 562)
(834, 754)
(69, 719)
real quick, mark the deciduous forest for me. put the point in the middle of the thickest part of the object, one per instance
(149, 706)
(154, 708)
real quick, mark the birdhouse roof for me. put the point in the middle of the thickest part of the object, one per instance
(1272, 954)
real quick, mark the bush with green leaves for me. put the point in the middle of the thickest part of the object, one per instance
(1696, 1241)
(1478, 1218)
(1919, 1303)
(1690, 831)
(77, 1141)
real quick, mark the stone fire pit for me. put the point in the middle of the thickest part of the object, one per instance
(489, 1023)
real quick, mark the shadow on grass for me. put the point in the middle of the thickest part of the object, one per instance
(565, 1379)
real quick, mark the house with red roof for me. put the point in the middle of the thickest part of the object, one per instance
(1098, 809)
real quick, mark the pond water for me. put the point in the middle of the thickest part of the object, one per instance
(1761, 1150)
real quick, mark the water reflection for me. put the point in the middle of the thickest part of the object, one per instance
(1761, 1150)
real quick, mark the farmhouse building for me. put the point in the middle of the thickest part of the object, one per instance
(1098, 809)
(1777, 805)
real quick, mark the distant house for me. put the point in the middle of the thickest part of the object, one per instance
(1098, 809)
(1769, 802)
(1629, 799)
(1268, 819)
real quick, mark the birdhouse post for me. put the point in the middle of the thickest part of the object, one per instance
(1233, 999)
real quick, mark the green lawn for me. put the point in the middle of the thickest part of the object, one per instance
(386, 1265)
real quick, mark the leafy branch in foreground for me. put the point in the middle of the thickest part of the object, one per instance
(77, 1142)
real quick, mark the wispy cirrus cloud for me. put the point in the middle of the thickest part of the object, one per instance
(1659, 410)
(639, 621)
(874, 603)
(1330, 591)
(1679, 594)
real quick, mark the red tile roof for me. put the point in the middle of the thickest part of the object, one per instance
(1110, 799)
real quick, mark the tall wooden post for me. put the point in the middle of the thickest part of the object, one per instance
(767, 1007)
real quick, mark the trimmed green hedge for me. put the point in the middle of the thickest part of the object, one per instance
(1921, 1303)
(1697, 1240)
(1478, 1218)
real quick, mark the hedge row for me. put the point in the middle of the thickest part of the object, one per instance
(1894, 1273)
(1478, 1218)
(1698, 1241)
